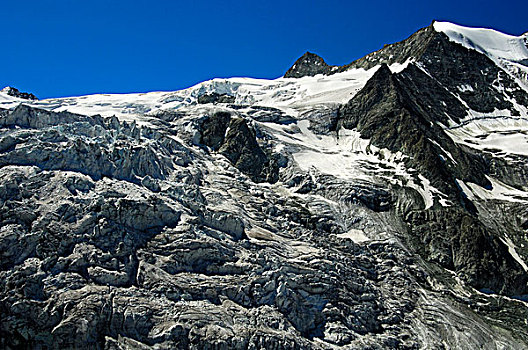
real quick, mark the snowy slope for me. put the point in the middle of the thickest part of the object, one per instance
(288, 94)
(8, 101)
(505, 134)
(499, 131)
(508, 51)
(488, 41)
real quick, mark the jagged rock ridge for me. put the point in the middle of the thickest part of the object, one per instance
(11, 91)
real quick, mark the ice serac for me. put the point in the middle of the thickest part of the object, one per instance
(378, 205)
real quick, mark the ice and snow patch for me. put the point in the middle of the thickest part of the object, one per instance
(499, 191)
(349, 157)
(465, 88)
(447, 153)
(487, 41)
(513, 252)
(398, 67)
(346, 156)
(426, 191)
(493, 132)
(355, 235)
(429, 192)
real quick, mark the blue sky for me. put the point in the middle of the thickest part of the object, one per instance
(72, 47)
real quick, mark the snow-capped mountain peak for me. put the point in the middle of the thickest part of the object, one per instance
(508, 51)
(488, 41)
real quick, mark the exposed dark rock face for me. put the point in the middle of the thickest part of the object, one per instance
(233, 138)
(214, 129)
(11, 91)
(242, 149)
(460, 242)
(308, 65)
(373, 197)
(513, 172)
(455, 66)
(270, 114)
(215, 97)
(396, 111)
(401, 112)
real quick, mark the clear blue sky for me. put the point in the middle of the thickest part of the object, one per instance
(73, 47)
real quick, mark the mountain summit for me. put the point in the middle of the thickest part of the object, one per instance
(382, 204)
(308, 64)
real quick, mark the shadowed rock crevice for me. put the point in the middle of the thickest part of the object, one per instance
(213, 129)
(215, 97)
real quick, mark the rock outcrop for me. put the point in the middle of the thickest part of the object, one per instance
(233, 138)
(11, 91)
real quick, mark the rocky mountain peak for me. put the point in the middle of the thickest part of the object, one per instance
(411, 48)
(308, 64)
(383, 73)
(11, 91)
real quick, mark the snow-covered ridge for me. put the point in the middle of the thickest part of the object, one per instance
(508, 51)
(288, 94)
(281, 93)
(487, 41)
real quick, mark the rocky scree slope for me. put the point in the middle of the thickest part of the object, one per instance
(378, 205)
